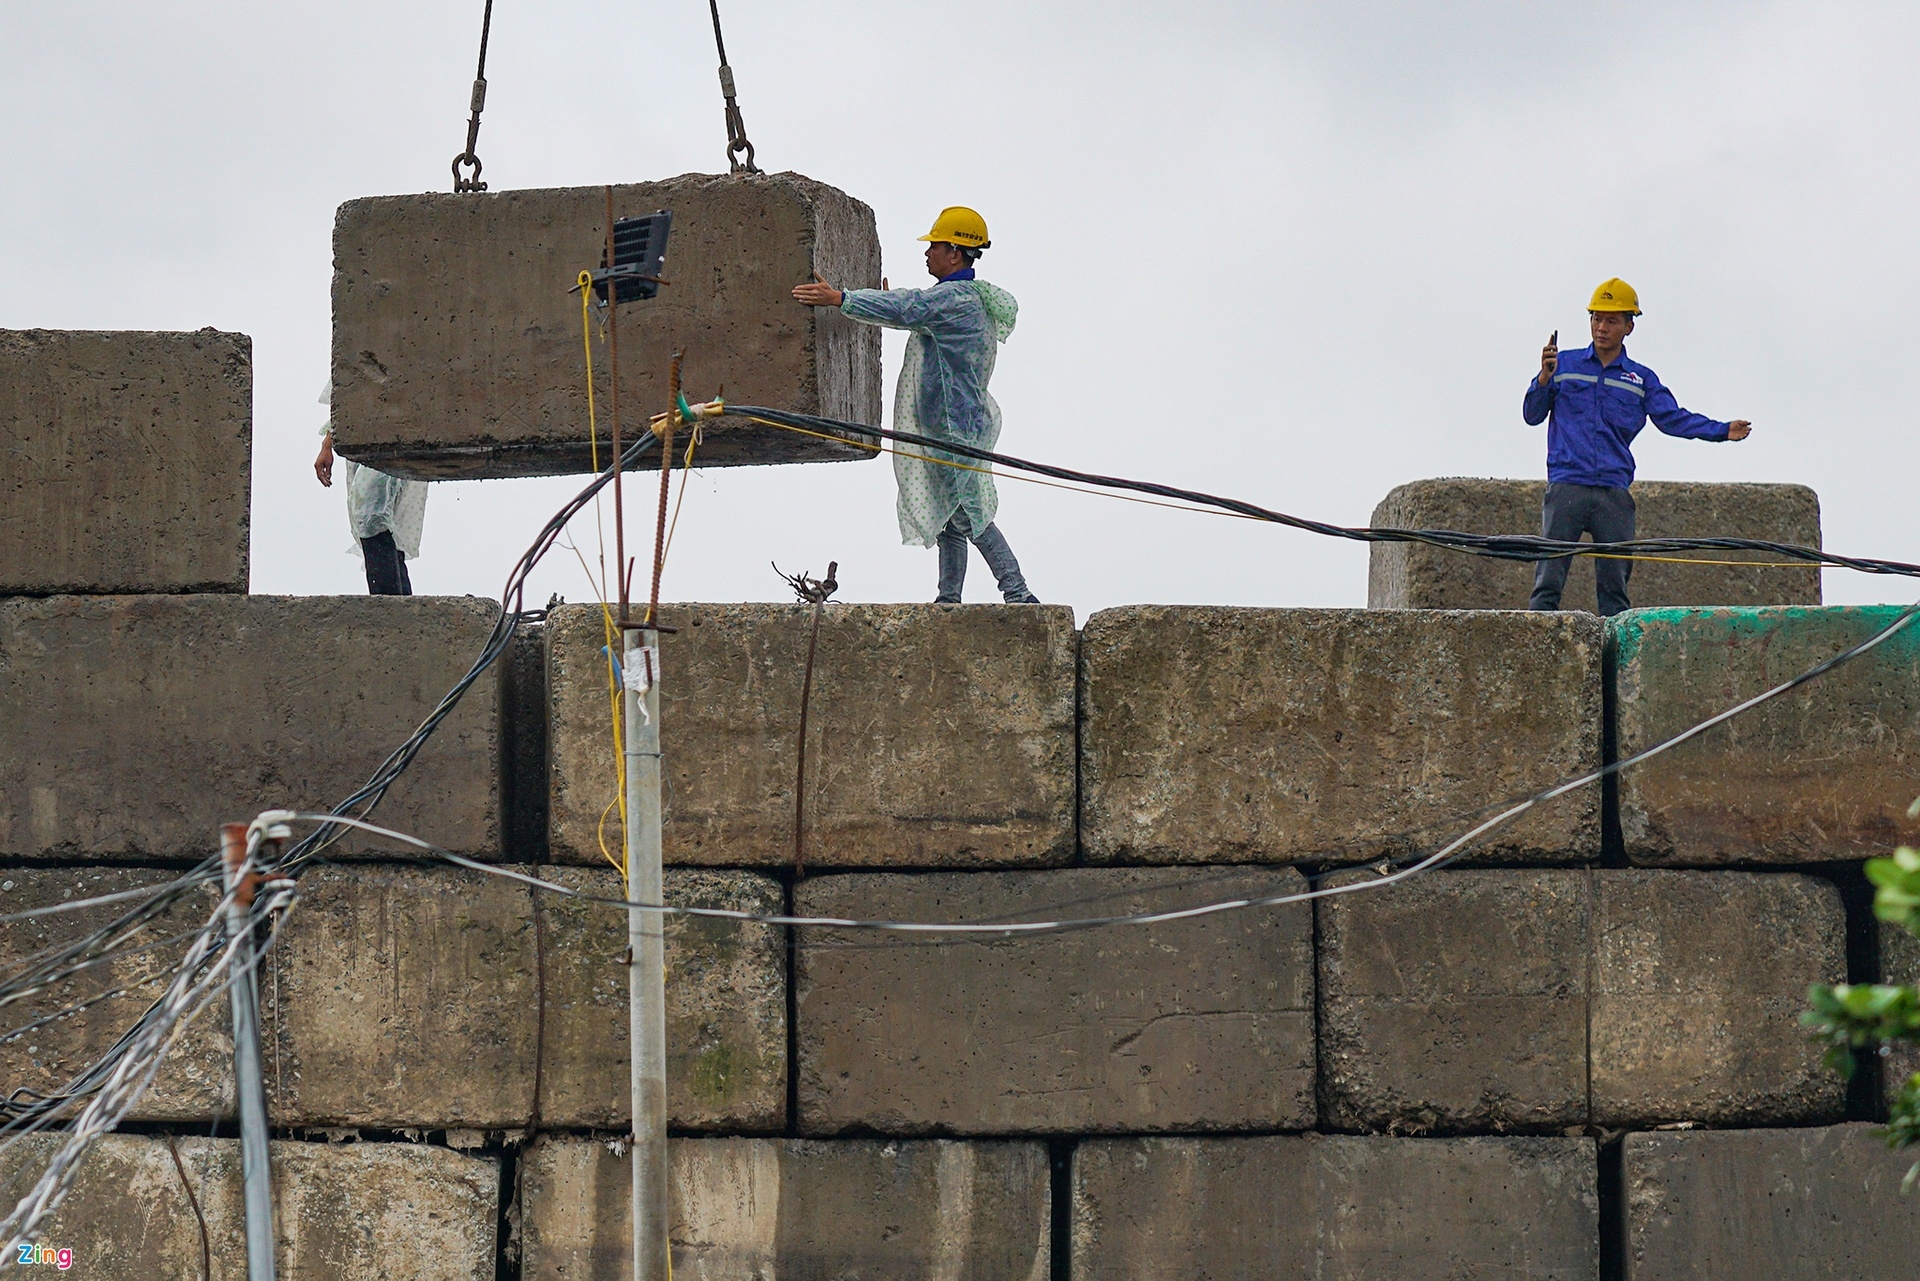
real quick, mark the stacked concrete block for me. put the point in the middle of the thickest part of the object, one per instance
(1276, 735)
(457, 323)
(1789, 1205)
(422, 998)
(1899, 963)
(1336, 1208)
(916, 1211)
(92, 1008)
(1534, 1000)
(139, 724)
(1416, 576)
(1699, 979)
(1199, 1024)
(937, 737)
(128, 461)
(1456, 1001)
(352, 1212)
(1822, 773)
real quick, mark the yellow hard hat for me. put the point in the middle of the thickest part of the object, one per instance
(1615, 295)
(959, 225)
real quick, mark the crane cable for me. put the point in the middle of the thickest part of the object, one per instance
(736, 127)
(476, 104)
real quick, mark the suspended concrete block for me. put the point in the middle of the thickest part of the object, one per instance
(1823, 773)
(1412, 576)
(457, 342)
(145, 1206)
(127, 461)
(794, 1208)
(1336, 1208)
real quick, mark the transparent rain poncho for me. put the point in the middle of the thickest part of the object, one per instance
(957, 327)
(378, 503)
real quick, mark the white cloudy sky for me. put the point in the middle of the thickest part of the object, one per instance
(1294, 252)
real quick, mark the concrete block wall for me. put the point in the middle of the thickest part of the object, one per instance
(1443, 1070)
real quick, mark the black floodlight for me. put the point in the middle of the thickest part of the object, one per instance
(639, 253)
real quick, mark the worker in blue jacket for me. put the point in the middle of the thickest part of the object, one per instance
(1598, 401)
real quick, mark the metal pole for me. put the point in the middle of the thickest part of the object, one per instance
(249, 1085)
(647, 975)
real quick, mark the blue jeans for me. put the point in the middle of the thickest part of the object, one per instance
(1000, 559)
(1572, 510)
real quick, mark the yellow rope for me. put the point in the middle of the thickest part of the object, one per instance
(608, 630)
(1213, 511)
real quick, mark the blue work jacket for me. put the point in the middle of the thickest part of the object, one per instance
(1597, 411)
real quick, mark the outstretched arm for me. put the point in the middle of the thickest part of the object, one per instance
(1669, 417)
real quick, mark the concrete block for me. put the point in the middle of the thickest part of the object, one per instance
(353, 1212)
(937, 737)
(1899, 963)
(1336, 1208)
(1200, 1024)
(196, 1082)
(142, 723)
(1822, 773)
(1410, 576)
(798, 1210)
(1231, 735)
(411, 997)
(1698, 983)
(1789, 1205)
(456, 339)
(1455, 1001)
(129, 461)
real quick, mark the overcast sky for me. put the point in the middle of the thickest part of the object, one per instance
(1298, 253)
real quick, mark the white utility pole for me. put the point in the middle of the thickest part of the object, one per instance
(249, 1084)
(647, 974)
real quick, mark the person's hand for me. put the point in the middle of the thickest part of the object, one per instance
(323, 465)
(1739, 429)
(819, 293)
(1549, 361)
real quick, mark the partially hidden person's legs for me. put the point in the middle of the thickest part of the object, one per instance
(1612, 522)
(386, 567)
(1006, 569)
(953, 560)
(1563, 518)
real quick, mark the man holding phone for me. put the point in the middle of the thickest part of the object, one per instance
(1599, 400)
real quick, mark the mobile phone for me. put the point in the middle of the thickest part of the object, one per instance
(1554, 342)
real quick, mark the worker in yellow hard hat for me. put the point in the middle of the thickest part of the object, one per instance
(1595, 401)
(957, 326)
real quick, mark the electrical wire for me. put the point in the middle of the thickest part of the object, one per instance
(1520, 547)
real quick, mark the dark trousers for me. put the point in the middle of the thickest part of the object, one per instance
(1000, 559)
(1573, 510)
(386, 566)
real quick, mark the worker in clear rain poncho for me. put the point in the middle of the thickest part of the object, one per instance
(956, 327)
(385, 512)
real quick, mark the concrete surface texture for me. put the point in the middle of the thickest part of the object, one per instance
(1336, 1208)
(129, 461)
(457, 331)
(98, 1004)
(1411, 576)
(411, 998)
(1822, 773)
(937, 736)
(1456, 1001)
(1204, 1024)
(1213, 734)
(350, 1212)
(1789, 1205)
(1899, 963)
(1699, 979)
(1468, 1001)
(139, 724)
(797, 1210)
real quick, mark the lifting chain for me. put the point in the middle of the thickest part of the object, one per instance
(478, 104)
(736, 127)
